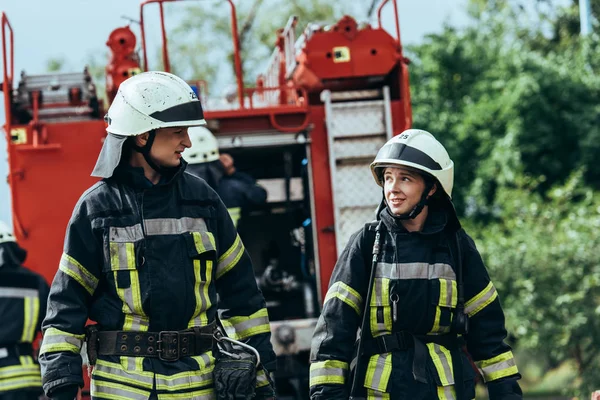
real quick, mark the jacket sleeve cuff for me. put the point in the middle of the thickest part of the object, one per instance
(507, 389)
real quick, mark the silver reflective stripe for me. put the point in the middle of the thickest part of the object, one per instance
(481, 300)
(378, 371)
(346, 294)
(446, 293)
(111, 390)
(55, 338)
(247, 325)
(490, 371)
(172, 226)
(75, 270)
(122, 256)
(115, 372)
(185, 381)
(126, 234)
(447, 393)
(414, 271)
(444, 361)
(18, 293)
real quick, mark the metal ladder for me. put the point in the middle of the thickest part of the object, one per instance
(358, 124)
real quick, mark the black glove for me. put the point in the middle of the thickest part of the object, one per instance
(235, 378)
(68, 392)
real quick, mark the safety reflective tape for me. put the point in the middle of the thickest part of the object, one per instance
(31, 311)
(328, 372)
(448, 293)
(122, 256)
(116, 372)
(75, 270)
(204, 241)
(345, 293)
(403, 271)
(26, 360)
(240, 328)
(446, 392)
(174, 226)
(21, 382)
(204, 360)
(235, 213)
(205, 394)
(261, 378)
(481, 300)
(380, 301)
(125, 234)
(201, 286)
(18, 293)
(56, 340)
(442, 359)
(112, 390)
(376, 395)
(231, 257)
(185, 380)
(135, 317)
(498, 367)
(378, 372)
(18, 371)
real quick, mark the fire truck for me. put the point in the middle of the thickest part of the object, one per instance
(329, 98)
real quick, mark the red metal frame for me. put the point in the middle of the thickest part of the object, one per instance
(397, 20)
(165, 51)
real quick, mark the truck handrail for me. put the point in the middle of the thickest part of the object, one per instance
(396, 18)
(165, 51)
(6, 77)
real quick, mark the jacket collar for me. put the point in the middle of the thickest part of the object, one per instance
(436, 221)
(134, 176)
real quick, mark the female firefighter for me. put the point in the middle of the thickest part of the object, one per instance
(147, 250)
(407, 295)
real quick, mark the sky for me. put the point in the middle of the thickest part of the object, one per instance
(75, 30)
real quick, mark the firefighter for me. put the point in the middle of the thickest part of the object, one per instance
(147, 251)
(238, 190)
(430, 295)
(23, 296)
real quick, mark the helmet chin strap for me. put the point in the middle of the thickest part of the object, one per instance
(146, 153)
(416, 209)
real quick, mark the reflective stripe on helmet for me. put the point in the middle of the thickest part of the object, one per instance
(400, 151)
(182, 112)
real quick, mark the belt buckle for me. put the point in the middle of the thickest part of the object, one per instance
(168, 345)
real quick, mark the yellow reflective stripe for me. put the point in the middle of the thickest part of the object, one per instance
(235, 213)
(26, 360)
(20, 382)
(203, 303)
(448, 293)
(498, 367)
(442, 359)
(376, 395)
(446, 393)
(380, 298)
(206, 394)
(231, 257)
(328, 372)
(16, 371)
(116, 372)
(56, 340)
(75, 270)
(187, 380)
(345, 293)
(31, 310)
(116, 391)
(261, 378)
(135, 317)
(240, 328)
(204, 241)
(378, 372)
(481, 300)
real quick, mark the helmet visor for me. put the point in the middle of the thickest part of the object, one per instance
(403, 153)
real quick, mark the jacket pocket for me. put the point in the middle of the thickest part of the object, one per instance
(124, 247)
(380, 312)
(443, 373)
(377, 376)
(200, 244)
(444, 297)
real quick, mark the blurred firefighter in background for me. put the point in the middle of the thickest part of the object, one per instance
(238, 190)
(147, 251)
(403, 280)
(23, 296)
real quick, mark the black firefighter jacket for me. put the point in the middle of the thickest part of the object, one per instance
(143, 257)
(23, 296)
(418, 274)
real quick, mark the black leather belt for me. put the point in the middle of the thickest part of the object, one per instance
(165, 345)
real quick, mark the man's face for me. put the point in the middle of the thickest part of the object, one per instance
(168, 145)
(403, 189)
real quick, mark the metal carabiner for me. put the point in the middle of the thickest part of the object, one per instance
(219, 337)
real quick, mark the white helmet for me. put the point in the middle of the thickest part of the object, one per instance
(417, 149)
(153, 100)
(205, 147)
(6, 233)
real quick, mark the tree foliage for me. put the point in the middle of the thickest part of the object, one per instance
(516, 104)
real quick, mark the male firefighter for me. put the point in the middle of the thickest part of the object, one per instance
(407, 295)
(237, 190)
(147, 250)
(23, 296)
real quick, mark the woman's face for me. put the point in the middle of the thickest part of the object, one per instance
(403, 189)
(168, 145)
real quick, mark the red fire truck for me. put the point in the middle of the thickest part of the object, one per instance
(306, 131)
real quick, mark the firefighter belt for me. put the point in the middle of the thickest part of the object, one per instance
(404, 340)
(164, 345)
